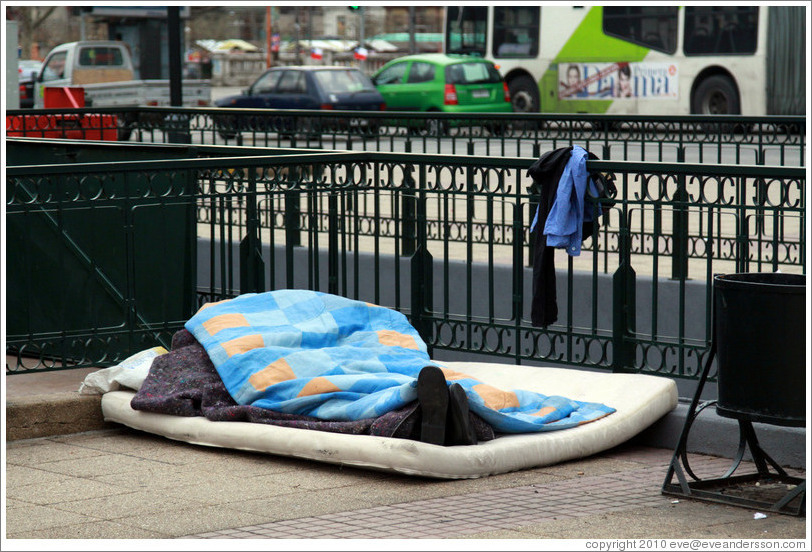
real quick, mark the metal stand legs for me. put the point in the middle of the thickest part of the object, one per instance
(772, 491)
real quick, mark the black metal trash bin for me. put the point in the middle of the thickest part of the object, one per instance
(760, 339)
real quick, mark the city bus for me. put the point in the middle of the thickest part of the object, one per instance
(659, 59)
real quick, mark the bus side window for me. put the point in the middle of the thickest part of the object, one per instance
(720, 30)
(516, 31)
(651, 27)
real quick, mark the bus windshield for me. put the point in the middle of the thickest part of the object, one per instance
(466, 30)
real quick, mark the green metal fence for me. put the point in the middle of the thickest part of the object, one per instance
(656, 236)
(438, 237)
(734, 140)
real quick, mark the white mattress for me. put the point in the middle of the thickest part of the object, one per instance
(639, 400)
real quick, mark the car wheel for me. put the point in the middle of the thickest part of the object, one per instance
(372, 129)
(524, 95)
(285, 127)
(226, 127)
(310, 128)
(435, 127)
(716, 95)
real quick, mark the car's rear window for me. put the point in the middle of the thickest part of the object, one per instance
(471, 73)
(101, 55)
(338, 82)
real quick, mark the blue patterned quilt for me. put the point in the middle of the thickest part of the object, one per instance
(313, 353)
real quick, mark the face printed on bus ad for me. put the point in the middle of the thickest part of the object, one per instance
(573, 75)
(623, 88)
(601, 81)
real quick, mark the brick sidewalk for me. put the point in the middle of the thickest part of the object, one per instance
(530, 511)
(128, 484)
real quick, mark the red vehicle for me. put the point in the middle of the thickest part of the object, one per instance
(72, 126)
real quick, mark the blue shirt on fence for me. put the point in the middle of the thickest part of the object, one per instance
(571, 208)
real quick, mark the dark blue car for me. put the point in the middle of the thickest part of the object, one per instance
(301, 87)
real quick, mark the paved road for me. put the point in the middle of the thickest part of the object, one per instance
(650, 151)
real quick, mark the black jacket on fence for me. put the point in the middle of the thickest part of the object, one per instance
(546, 173)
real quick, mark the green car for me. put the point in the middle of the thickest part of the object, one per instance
(439, 82)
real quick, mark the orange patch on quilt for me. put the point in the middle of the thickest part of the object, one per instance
(582, 422)
(243, 344)
(454, 375)
(224, 321)
(317, 386)
(544, 411)
(396, 339)
(496, 399)
(276, 372)
(211, 304)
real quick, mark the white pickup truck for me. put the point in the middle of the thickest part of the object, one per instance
(104, 69)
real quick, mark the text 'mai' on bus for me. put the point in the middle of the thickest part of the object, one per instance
(651, 60)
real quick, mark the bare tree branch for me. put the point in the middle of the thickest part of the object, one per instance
(41, 19)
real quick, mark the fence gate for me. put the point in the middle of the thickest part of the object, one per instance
(80, 269)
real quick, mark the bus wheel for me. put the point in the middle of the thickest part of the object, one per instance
(524, 95)
(716, 95)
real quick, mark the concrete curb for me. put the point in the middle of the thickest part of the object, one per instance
(53, 414)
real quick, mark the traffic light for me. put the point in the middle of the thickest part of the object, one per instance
(353, 8)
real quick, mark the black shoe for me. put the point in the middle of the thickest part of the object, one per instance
(459, 430)
(432, 394)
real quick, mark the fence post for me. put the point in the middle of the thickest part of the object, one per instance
(252, 267)
(518, 274)
(332, 244)
(293, 212)
(742, 228)
(679, 228)
(761, 195)
(535, 193)
(624, 302)
(422, 283)
(409, 227)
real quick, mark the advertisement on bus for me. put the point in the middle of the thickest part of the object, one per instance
(601, 81)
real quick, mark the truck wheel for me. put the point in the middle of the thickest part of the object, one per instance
(716, 95)
(125, 129)
(524, 95)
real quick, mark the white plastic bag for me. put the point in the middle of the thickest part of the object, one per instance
(130, 373)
